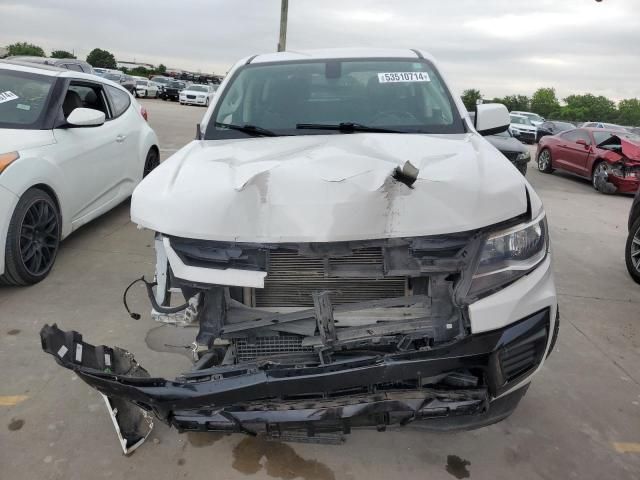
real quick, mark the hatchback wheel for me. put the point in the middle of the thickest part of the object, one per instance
(151, 162)
(33, 238)
(544, 161)
(632, 251)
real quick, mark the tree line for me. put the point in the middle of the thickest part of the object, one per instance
(97, 57)
(575, 108)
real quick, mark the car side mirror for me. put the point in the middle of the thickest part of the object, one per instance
(85, 117)
(491, 118)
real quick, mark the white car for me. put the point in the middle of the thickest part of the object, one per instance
(72, 146)
(352, 250)
(534, 118)
(522, 128)
(146, 88)
(197, 95)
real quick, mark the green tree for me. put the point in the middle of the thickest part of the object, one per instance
(629, 112)
(515, 102)
(544, 102)
(24, 48)
(161, 69)
(62, 54)
(470, 98)
(588, 107)
(139, 72)
(101, 58)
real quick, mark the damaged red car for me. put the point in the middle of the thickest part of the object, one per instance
(610, 159)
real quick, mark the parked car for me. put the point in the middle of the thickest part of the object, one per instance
(607, 126)
(609, 158)
(355, 256)
(196, 95)
(511, 148)
(68, 63)
(634, 130)
(522, 128)
(552, 127)
(125, 81)
(161, 81)
(172, 90)
(534, 118)
(632, 250)
(146, 88)
(73, 146)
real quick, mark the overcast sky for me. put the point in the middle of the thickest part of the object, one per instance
(498, 46)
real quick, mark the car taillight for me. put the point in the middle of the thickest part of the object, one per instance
(143, 112)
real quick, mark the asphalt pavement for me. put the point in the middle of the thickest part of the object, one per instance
(579, 420)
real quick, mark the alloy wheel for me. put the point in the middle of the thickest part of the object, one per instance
(635, 250)
(39, 237)
(543, 160)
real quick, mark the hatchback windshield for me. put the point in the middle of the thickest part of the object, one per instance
(398, 95)
(198, 88)
(23, 97)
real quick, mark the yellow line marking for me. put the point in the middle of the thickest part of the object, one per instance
(11, 400)
(622, 447)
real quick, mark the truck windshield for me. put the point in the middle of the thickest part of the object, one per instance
(23, 99)
(406, 96)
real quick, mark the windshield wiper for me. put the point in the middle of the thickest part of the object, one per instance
(249, 129)
(345, 127)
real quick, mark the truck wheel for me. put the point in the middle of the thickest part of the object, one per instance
(632, 251)
(33, 239)
(544, 161)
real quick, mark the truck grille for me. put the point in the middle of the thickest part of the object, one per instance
(260, 347)
(291, 279)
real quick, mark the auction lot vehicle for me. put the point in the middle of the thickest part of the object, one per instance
(171, 91)
(609, 158)
(608, 126)
(522, 128)
(196, 95)
(68, 63)
(534, 118)
(632, 250)
(552, 127)
(511, 148)
(146, 88)
(73, 147)
(353, 252)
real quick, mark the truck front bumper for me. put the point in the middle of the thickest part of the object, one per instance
(368, 390)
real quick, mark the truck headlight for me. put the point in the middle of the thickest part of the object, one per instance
(509, 255)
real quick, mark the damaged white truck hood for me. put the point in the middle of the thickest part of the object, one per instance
(317, 188)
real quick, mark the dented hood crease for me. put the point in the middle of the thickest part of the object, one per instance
(315, 188)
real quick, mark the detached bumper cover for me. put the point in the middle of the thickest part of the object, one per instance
(376, 390)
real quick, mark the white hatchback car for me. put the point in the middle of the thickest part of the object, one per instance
(197, 95)
(72, 146)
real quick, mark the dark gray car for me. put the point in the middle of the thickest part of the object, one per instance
(68, 63)
(512, 148)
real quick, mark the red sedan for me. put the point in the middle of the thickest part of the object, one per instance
(610, 159)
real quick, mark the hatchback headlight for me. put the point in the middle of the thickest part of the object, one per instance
(509, 255)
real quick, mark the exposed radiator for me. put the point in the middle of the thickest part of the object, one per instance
(292, 278)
